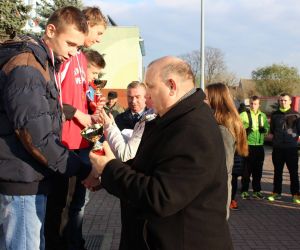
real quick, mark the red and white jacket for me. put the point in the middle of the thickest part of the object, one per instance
(74, 85)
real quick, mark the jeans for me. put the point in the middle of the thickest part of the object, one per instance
(22, 222)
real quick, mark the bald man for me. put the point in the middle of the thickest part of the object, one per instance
(173, 196)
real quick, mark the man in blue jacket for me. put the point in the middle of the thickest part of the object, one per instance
(30, 121)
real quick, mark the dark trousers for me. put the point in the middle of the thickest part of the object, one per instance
(65, 232)
(234, 185)
(56, 202)
(253, 167)
(288, 156)
(72, 231)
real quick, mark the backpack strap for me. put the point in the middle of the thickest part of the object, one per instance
(249, 129)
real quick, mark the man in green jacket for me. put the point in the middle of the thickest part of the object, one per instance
(257, 126)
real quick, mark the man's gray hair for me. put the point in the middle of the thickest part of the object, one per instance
(135, 84)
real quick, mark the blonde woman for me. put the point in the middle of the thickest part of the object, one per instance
(234, 135)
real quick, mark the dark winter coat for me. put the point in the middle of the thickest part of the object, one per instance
(30, 121)
(126, 120)
(174, 196)
(285, 127)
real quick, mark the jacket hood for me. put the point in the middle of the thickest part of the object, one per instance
(22, 44)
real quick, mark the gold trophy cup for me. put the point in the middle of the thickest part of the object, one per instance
(100, 84)
(93, 134)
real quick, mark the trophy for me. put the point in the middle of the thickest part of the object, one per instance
(100, 84)
(93, 134)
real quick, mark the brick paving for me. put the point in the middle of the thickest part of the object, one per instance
(258, 224)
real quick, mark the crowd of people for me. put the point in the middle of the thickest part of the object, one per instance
(173, 157)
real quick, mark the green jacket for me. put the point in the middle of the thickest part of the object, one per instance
(256, 134)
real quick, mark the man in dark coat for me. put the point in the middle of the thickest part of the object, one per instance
(174, 195)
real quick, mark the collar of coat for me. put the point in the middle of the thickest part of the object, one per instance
(190, 102)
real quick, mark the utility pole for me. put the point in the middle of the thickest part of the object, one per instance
(202, 47)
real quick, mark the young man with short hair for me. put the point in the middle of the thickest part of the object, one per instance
(257, 127)
(74, 83)
(285, 128)
(30, 146)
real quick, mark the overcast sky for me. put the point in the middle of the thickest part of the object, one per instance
(250, 33)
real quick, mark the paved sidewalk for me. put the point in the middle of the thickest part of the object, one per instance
(257, 225)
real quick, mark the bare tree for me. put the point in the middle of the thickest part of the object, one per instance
(194, 59)
(215, 68)
(214, 64)
(228, 78)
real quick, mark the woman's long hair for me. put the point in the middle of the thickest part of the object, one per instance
(226, 114)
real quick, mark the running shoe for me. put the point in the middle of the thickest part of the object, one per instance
(296, 199)
(258, 195)
(245, 196)
(234, 205)
(274, 196)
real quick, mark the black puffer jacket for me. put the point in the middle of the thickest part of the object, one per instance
(285, 127)
(30, 121)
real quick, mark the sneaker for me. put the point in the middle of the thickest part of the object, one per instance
(296, 199)
(234, 205)
(258, 195)
(274, 196)
(245, 196)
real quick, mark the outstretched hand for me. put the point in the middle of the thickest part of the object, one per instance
(100, 161)
(105, 118)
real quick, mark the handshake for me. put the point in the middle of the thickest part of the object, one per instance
(92, 182)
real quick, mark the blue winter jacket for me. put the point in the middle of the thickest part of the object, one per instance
(30, 121)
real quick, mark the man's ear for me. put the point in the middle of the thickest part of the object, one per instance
(50, 30)
(172, 86)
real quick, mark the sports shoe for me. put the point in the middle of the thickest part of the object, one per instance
(245, 196)
(296, 199)
(258, 195)
(234, 205)
(274, 196)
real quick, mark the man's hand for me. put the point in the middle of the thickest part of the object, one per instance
(100, 161)
(98, 110)
(101, 103)
(84, 119)
(105, 119)
(92, 181)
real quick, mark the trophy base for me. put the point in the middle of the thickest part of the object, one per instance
(99, 151)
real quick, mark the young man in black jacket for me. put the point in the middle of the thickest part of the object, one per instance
(30, 120)
(285, 128)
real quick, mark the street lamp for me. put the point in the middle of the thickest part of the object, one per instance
(202, 47)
